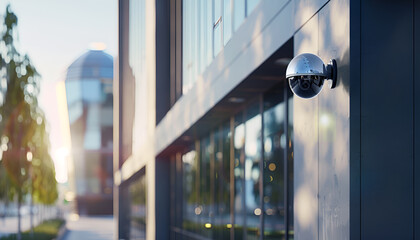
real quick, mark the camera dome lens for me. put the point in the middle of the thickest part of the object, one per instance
(305, 88)
(304, 84)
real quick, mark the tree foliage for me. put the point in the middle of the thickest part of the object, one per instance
(22, 125)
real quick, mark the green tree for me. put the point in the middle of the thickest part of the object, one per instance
(22, 126)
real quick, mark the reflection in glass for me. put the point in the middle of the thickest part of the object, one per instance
(222, 183)
(208, 26)
(73, 92)
(190, 191)
(93, 128)
(217, 38)
(218, 22)
(227, 20)
(250, 6)
(138, 196)
(252, 171)
(238, 13)
(290, 164)
(205, 188)
(92, 91)
(274, 149)
(214, 182)
(238, 171)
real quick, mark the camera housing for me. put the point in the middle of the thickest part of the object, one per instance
(306, 74)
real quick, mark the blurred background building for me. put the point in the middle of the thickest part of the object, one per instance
(89, 99)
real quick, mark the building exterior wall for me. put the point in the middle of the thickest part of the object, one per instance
(388, 106)
(322, 127)
(346, 142)
(266, 29)
(134, 148)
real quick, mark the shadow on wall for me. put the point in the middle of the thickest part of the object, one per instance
(322, 131)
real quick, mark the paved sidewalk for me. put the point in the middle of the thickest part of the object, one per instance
(90, 228)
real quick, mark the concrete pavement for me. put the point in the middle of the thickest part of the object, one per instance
(90, 228)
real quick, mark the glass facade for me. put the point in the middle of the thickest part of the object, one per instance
(137, 191)
(253, 154)
(208, 25)
(237, 182)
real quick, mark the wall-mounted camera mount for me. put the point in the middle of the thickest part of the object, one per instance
(306, 74)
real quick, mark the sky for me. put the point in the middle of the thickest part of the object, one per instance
(54, 33)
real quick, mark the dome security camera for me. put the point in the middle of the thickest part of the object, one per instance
(306, 74)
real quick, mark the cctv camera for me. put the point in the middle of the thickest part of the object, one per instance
(306, 74)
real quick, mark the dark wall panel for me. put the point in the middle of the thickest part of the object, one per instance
(162, 197)
(355, 82)
(386, 120)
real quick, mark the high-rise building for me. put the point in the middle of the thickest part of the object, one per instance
(89, 99)
(210, 143)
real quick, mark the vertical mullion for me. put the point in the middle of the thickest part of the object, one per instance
(261, 165)
(232, 177)
(246, 8)
(286, 165)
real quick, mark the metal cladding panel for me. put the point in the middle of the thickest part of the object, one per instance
(355, 120)
(305, 10)
(306, 153)
(322, 132)
(387, 120)
(334, 125)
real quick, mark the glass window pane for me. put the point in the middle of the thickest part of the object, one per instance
(190, 205)
(217, 38)
(73, 92)
(75, 111)
(238, 171)
(93, 128)
(217, 10)
(290, 166)
(205, 189)
(138, 196)
(203, 36)
(238, 13)
(222, 220)
(227, 21)
(251, 4)
(252, 171)
(186, 41)
(218, 187)
(274, 153)
(92, 91)
(209, 31)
